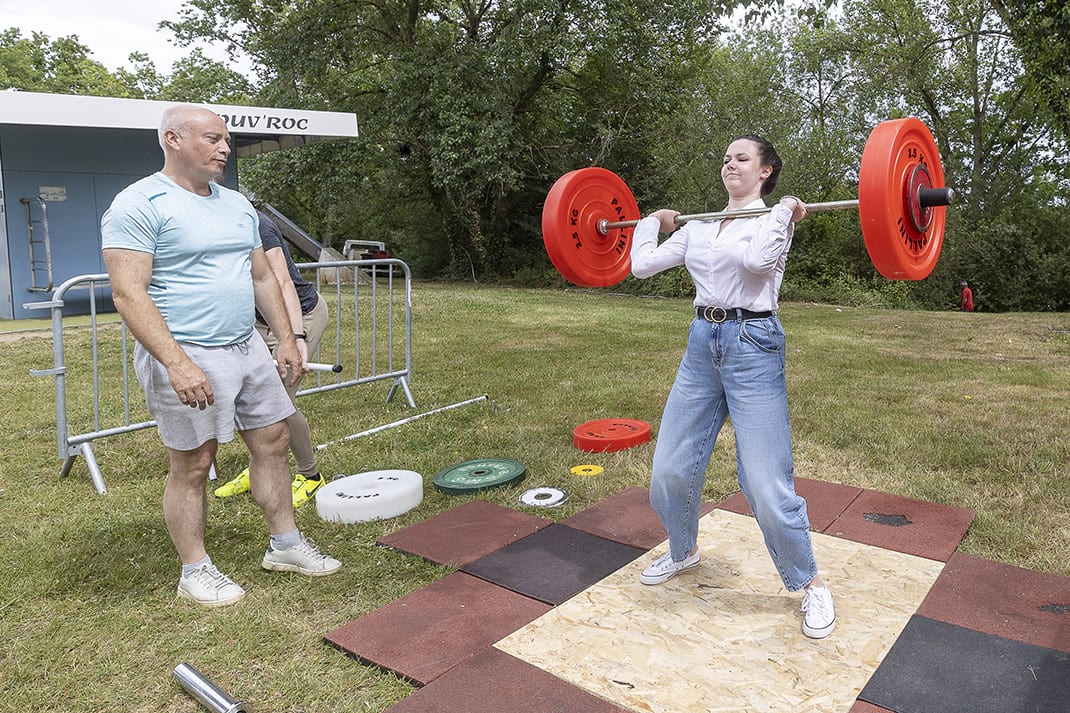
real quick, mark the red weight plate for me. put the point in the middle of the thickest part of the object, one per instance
(570, 216)
(887, 200)
(610, 434)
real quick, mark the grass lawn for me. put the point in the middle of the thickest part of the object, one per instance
(972, 410)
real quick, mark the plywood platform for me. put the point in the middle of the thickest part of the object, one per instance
(726, 635)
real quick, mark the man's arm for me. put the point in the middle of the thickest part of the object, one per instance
(130, 272)
(269, 302)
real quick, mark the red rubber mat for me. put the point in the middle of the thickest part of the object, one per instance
(999, 599)
(425, 633)
(824, 501)
(465, 533)
(554, 564)
(626, 518)
(902, 524)
(938, 667)
(492, 681)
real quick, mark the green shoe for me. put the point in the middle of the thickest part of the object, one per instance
(234, 487)
(303, 488)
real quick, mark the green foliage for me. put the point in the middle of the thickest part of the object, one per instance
(850, 291)
(488, 102)
(142, 80)
(61, 66)
(197, 78)
(469, 112)
(1041, 29)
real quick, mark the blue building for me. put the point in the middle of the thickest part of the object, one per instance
(63, 158)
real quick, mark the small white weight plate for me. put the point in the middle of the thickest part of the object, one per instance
(543, 497)
(375, 495)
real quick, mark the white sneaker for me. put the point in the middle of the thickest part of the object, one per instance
(304, 558)
(209, 587)
(819, 611)
(664, 568)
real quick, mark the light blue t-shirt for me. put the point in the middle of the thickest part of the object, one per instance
(201, 267)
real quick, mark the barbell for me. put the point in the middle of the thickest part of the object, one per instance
(589, 213)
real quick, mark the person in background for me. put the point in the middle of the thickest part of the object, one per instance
(965, 298)
(308, 319)
(187, 272)
(733, 367)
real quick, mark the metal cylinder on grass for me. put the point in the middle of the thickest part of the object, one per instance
(207, 693)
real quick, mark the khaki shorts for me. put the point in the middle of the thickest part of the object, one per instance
(248, 393)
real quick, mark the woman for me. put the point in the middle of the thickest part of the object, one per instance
(733, 367)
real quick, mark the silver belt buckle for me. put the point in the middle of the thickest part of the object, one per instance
(710, 314)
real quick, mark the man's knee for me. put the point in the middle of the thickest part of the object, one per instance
(193, 464)
(271, 440)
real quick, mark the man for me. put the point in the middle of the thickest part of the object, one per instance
(186, 268)
(965, 298)
(308, 318)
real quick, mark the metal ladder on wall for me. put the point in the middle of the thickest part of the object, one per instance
(40, 245)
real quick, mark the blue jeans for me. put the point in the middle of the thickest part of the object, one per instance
(733, 369)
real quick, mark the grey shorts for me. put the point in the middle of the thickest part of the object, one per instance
(248, 393)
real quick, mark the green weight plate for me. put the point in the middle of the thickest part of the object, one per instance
(479, 474)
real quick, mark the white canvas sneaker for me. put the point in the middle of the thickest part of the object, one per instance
(819, 612)
(664, 568)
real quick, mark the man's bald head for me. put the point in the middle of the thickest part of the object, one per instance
(180, 118)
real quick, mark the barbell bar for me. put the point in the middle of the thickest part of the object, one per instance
(604, 225)
(589, 213)
(322, 366)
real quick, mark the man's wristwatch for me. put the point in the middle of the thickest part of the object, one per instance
(300, 335)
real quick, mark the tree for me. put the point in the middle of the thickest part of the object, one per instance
(957, 67)
(487, 100)
(1041, 30)
(142, 81)
(197, 78)
(469, 112)
(61, 66)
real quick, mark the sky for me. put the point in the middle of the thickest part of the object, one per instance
(111, 29)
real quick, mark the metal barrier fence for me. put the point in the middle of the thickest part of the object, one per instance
(370, 315)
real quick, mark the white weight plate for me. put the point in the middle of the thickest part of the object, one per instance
(375, 495)
(543, 497)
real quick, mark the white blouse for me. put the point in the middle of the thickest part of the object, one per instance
(741, 267)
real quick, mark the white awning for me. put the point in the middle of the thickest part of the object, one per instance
(254, 129)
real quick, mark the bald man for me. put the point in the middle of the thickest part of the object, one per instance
(187, 270)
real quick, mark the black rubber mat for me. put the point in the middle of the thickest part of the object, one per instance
(554, 564)
(935, 666)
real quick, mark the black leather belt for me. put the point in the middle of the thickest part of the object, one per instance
(721, 314)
